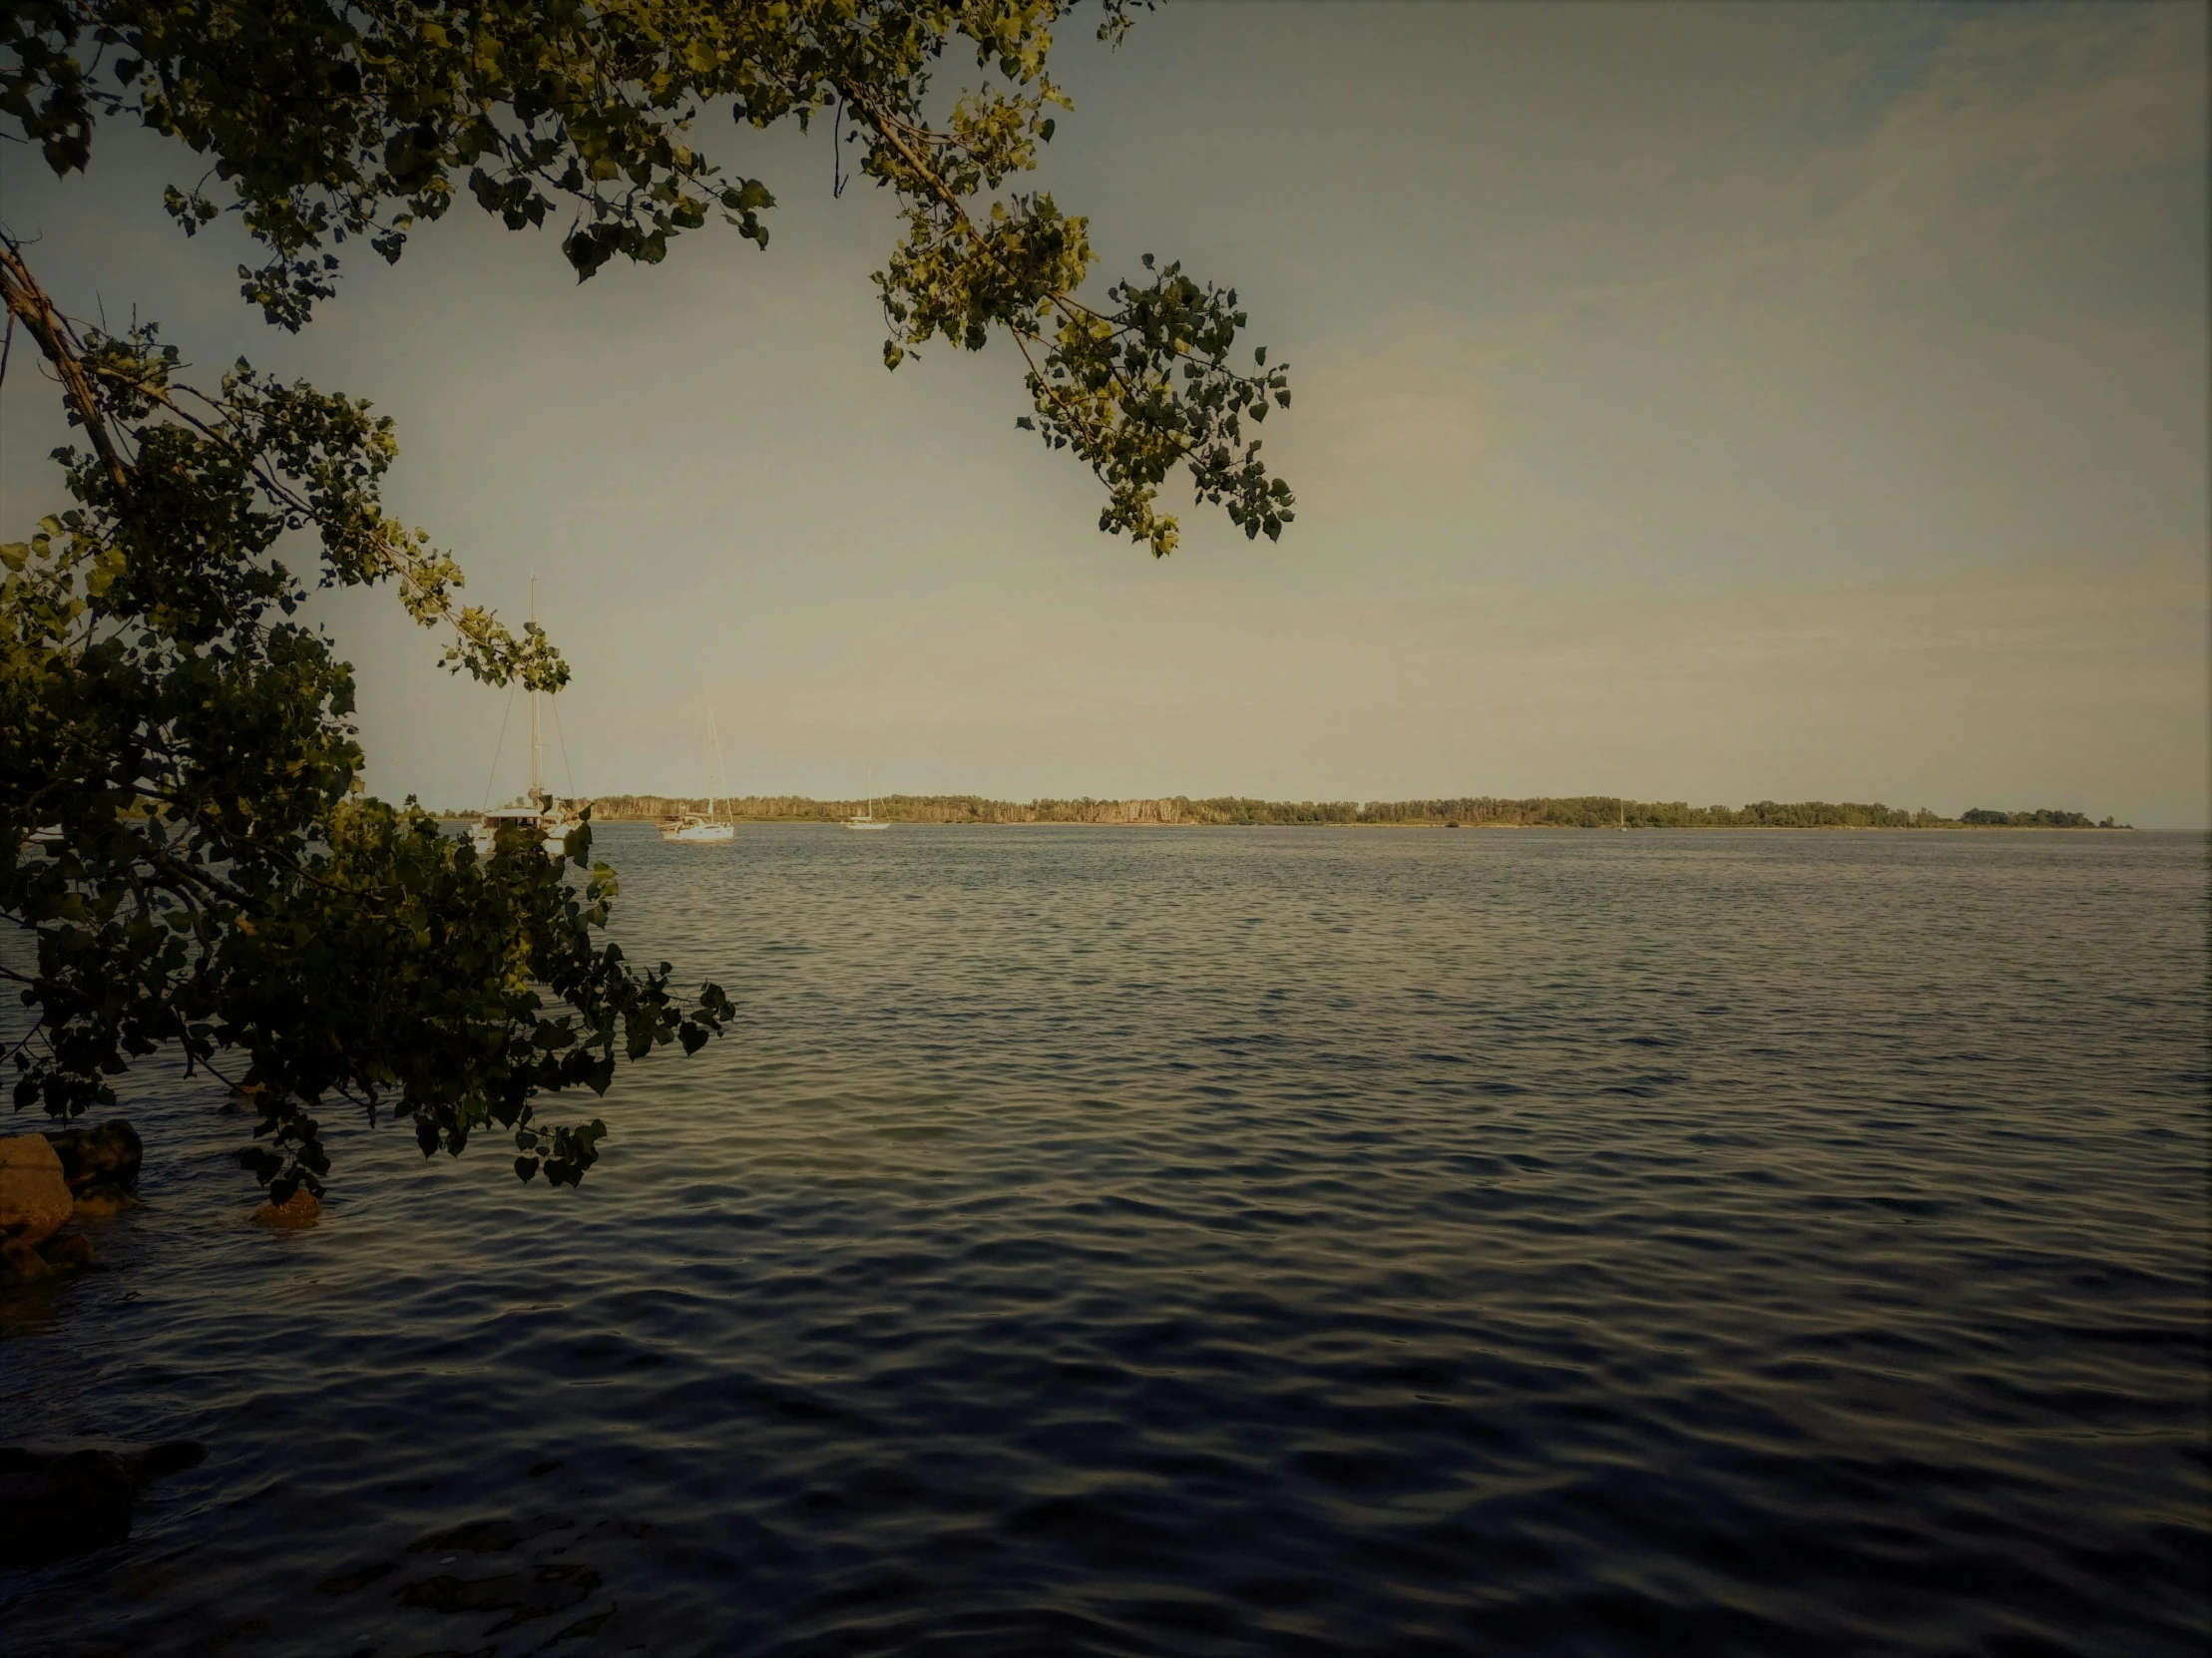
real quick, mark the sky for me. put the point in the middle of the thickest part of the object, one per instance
(1692, 403)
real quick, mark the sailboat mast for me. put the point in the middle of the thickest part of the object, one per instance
(537, 742)
(715, 736)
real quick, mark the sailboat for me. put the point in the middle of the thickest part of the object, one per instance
(868, 818)
(692, 828)
(537, 813)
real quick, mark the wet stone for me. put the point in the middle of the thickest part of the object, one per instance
(55, 1503)
(21, 1263)
(34, 1196)
(300, 1209)
(102, 1201)
(54, 1507)
(67, 1252)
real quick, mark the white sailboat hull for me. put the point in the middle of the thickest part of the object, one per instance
(553, 836)
(703, 828)
(695, 833)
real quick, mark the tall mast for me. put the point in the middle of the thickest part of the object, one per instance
(715, 736)
(537, 742)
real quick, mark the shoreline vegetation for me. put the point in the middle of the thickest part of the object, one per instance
(1471, 812)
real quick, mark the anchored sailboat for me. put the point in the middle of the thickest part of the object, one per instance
(868, 818)
(693, 828)
(537, 812)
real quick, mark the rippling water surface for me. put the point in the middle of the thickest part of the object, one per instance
(1231, 1242)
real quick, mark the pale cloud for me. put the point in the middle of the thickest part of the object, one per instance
(2012, 110)
(2009, 120)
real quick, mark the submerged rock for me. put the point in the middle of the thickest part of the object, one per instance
(299, 1209)
(55, 1503)
(67, 1252)
(98, 1160)
(100, 1202)
(22, 1263)
(34, 1197)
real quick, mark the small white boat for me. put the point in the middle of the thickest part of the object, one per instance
(695, 828)
(692, 828)
(868, 818)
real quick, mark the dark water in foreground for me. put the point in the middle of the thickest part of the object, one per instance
(1233, 1242)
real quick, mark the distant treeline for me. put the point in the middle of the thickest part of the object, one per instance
(2042, 817)
(1474, 811)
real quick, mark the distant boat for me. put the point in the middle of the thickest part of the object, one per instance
(693, 828)
(868, 818)
(537, 811)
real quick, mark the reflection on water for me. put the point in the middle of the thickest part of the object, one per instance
(1232, 1242)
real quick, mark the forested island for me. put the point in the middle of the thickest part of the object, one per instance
(1477, 811)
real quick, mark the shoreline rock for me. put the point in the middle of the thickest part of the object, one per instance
(59, 1502)
(34, 1198)
(300, 1209)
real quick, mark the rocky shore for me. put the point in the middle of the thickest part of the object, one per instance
(60, 1500)
(48, 1180)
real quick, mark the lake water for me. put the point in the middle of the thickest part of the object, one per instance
(1231, 1242)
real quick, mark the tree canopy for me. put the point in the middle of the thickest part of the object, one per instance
(183, 835)
(326, 121)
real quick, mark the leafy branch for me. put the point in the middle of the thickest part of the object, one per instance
(337, 121)
(180, 826)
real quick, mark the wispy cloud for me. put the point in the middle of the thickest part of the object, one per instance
(1916, 155)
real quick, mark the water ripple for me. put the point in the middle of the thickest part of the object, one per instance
(1239, 1242)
